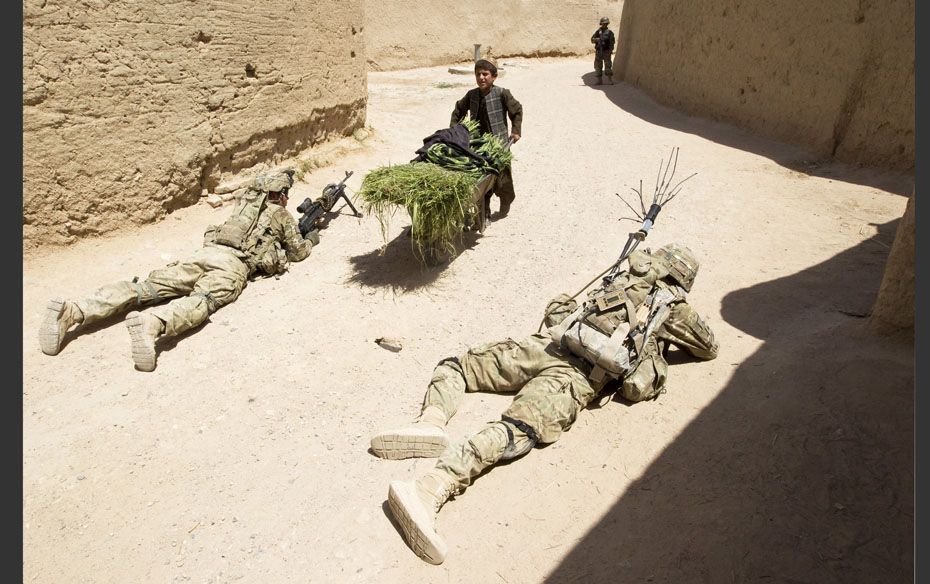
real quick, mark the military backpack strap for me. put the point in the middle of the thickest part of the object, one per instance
(652, 313)
(235, 232)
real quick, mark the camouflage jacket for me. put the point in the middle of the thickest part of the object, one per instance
(603, 41)
(275, 241)
(644, 376)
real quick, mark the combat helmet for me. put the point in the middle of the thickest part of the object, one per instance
(605, 20)
(681, 264)
(274, 181)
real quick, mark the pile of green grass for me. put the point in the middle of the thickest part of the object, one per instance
(438, 200)
(437, 193)
(488, 144)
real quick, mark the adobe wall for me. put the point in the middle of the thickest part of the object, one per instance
(404, 35)
(836, 77)
(894, 307)
(130, 110)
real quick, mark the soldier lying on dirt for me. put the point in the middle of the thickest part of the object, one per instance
(620, 333)
(260, 237)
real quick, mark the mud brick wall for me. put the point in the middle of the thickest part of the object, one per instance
(131, 109)
(894, 307)
(404, 35)
(836, 77)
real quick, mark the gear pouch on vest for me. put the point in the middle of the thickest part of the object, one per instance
(647, 380)
(591, 344)
(272, 260)
(558, 309)
(235, 231)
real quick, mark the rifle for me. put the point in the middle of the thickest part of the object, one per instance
(313, 211)
(664, 193)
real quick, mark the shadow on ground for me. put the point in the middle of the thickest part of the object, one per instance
(633, 100)
(397, 266)
(800, 470)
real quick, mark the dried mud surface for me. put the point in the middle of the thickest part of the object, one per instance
(243, 456)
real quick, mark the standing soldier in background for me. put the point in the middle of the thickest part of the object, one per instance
(260, 237)
(603, 40)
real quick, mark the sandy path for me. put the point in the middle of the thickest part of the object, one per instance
(243, 456)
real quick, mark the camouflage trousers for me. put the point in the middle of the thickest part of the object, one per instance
(210, 278)
(552, 387)
(603, 64)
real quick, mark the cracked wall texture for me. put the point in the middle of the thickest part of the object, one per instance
(836, 77)
(131, 109)
(404, 35)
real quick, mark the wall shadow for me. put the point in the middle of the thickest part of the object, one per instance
(635, 101)
(800, 470)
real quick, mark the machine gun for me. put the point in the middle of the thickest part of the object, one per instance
(313, 211)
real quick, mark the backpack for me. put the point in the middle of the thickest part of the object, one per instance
(237, 230)
(615, 329)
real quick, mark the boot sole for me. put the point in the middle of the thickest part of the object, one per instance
(49, 339)
(415, 522)
(143, 346)
(400, 446)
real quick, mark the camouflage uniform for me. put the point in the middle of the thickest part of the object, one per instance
(620, 332)
(603, 41)
(211, 277)
(553, 387)
(260, 236)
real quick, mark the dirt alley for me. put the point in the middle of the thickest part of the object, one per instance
(243, 456)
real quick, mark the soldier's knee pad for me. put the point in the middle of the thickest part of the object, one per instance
(489, 444)
(518, 441)
(448, 370)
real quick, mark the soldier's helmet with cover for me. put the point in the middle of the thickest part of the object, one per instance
(605, 20)
(275, 181)
(681, 263)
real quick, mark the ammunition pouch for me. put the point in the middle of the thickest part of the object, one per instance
(267, 257)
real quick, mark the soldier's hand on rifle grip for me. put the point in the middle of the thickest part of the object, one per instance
(313, 236)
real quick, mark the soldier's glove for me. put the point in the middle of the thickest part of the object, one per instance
(313, 236)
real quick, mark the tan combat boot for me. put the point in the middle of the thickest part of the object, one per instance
(143, 330)
(414, 505)
(599, 80)
(425, 438)
(60, 315)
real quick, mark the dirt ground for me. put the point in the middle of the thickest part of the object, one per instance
(244, 455)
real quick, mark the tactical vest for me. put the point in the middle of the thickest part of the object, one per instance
(248, 230)
(616, 326)
(235, 231)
